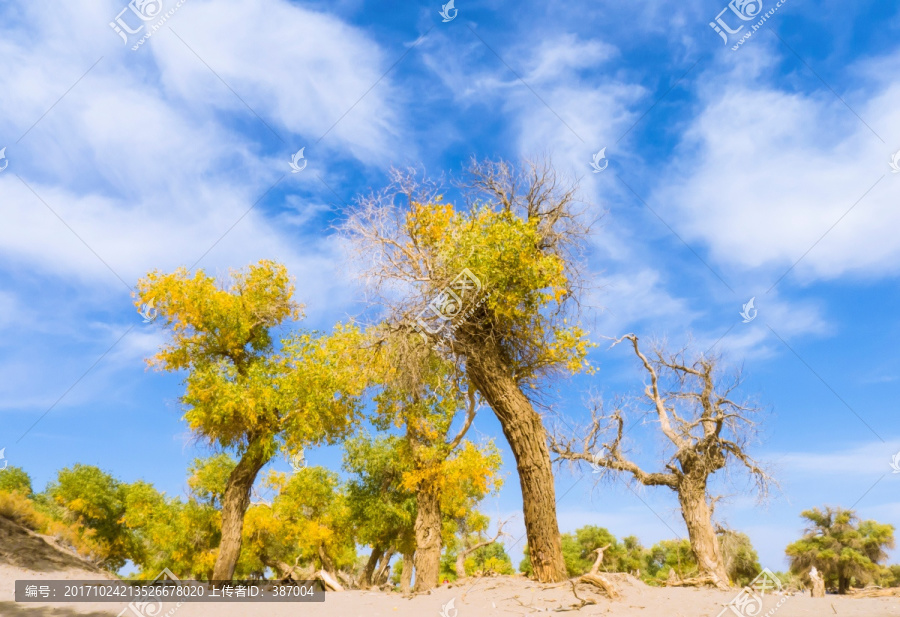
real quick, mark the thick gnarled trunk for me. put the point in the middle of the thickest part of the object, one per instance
(234, 506)
(704, 543)
(428, 536)
(527, 439)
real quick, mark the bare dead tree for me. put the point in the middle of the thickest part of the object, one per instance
(406, 266)
(704, 428)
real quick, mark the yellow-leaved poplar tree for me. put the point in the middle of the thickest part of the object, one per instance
(422, 395)
(491, 284)
(245, 390)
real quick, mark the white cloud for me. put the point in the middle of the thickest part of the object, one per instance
(151, 160)
(145, 175)
(634, 297)
(866, 458)
(762, 173)
(299, 69)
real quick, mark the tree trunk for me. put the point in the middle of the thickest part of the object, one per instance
(234, 506)
(527, 439)
(327, 564)
(704, 543)
(818, 584)
(406, 575)
(843, 584)
(461, 564)
(428, 535)
(384, 570)
(365, 579)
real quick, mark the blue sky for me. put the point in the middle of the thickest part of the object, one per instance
(729, 171)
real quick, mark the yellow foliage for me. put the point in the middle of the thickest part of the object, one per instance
(524, 285)
(240, 383)
(17, 507)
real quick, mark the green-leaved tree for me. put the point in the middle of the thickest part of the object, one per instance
(842, 548)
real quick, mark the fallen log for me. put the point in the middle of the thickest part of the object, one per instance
(329, 581)
(697, 581)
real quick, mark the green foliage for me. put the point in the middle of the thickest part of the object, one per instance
(170, 533)
(671, 554)
(890, 576)
(209, 477)
(308, 522)
(845, 550)
(14, 479)
(448, 566)
(578, 548)
(490, 559)
(627, 556)
(382, 509)
(741, 560)
(653, 564)
(525, 565)
(96, 501)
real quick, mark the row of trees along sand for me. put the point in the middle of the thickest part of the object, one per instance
(316, 522)
(522, 234)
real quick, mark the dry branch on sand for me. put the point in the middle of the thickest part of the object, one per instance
(598, 580)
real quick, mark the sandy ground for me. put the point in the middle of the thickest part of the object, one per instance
(25, 555)
(492, 596)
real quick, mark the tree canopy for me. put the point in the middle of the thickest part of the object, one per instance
(844, 549)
